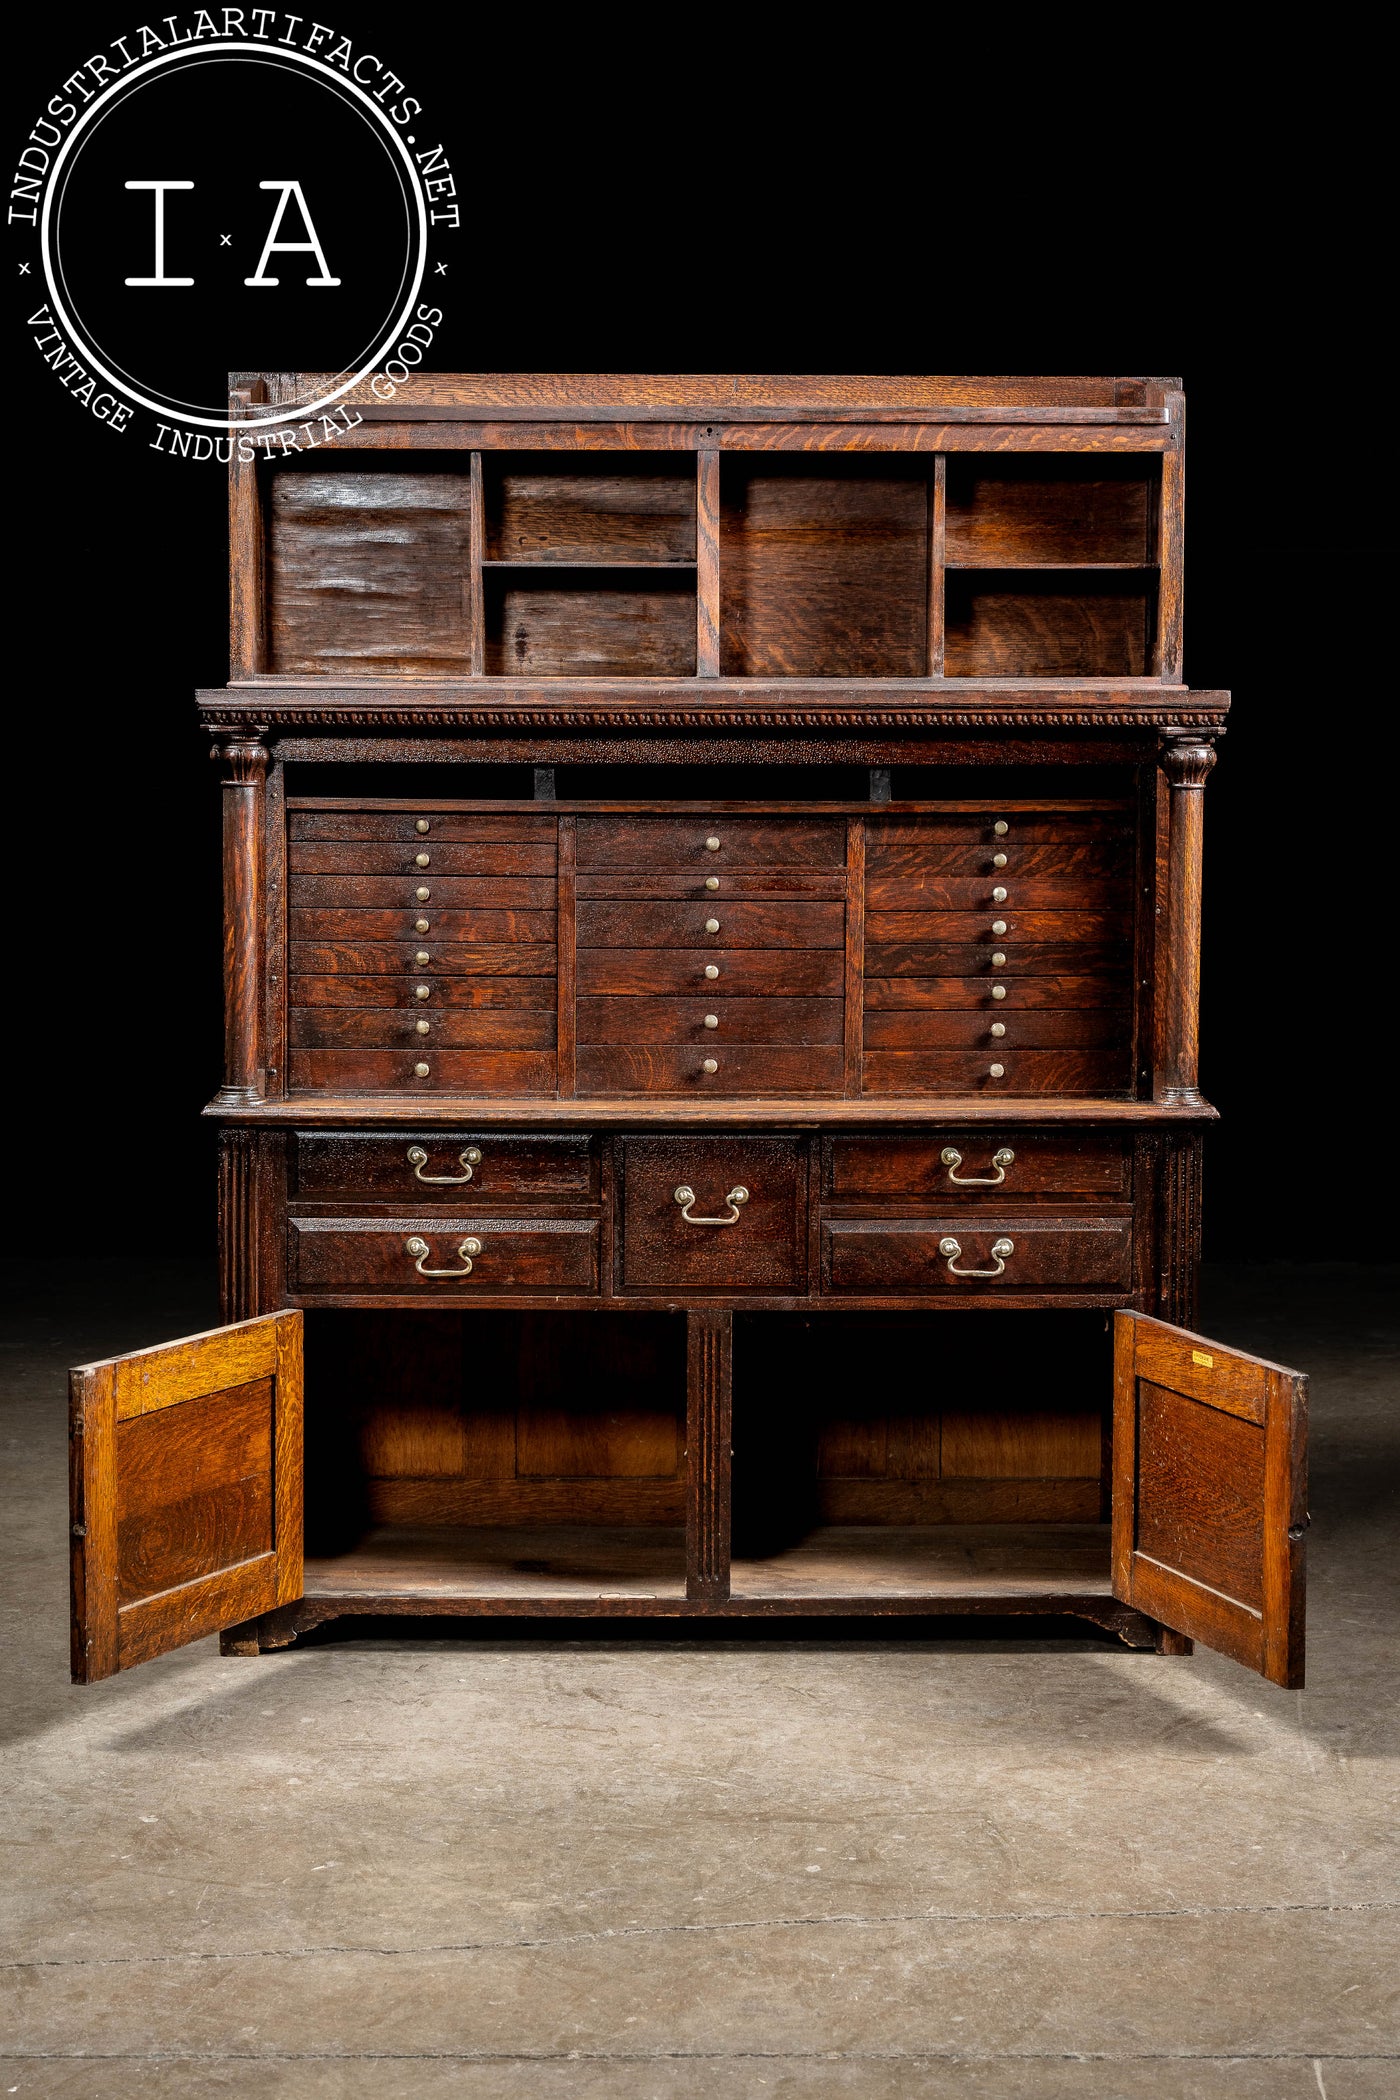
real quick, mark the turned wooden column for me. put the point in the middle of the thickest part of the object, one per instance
(708, 1436)
(245, 775)
(1186, 760)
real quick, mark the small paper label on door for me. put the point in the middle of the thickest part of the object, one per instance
(1198, 1356)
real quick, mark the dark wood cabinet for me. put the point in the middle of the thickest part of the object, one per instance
(712, 896)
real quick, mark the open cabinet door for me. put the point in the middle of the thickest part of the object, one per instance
(1210, 1493)
(186, 1478)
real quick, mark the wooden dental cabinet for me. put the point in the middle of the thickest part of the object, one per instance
(711, 1123)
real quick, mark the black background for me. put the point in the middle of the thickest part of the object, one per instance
(931, 204)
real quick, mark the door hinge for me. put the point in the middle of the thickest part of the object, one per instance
(80, 1531)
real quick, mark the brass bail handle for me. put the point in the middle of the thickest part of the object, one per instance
(685, 1196)
(1002, 1251)
(421, 1250)
(952, 1160)
(470, 1159)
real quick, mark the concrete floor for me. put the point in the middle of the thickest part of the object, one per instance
(646, 1868)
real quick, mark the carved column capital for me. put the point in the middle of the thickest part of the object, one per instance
(1187, 757)
(243, 756)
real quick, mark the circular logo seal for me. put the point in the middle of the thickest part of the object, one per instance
(235, 207)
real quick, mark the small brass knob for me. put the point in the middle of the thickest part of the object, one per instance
(712, 925)
(999, 895)
(998, 860)
(422, 860)
(712, 882)
(472, 1246)
(1001, 827)
(421, 825)
(420, 1071)
(424, 1027)
(472, 1155)
(998, 991)
(997, 1071)
(998, 961)
(712, 845)
(711, 1064)
(422, 895)
(420, 926)
(712, 1020)
(422, 957)
(422, 991)
(998, 926)
(998, 1028)
(711, 970)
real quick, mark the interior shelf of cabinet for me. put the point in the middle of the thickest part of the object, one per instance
(1140, 568)
(619, 561)
(942, 1565)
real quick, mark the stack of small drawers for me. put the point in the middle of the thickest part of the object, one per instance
(998, 952)
(423, 950)
(711, 954)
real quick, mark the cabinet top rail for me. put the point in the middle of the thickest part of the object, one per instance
(700, 395)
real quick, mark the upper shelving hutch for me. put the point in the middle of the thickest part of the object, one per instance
(508, 531)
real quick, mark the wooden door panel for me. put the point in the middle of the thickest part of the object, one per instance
(1209, 1493)
(185, 1470)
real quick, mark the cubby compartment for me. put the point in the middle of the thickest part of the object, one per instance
(518, 1461)
(824, 567)
(1052, 624)
(1018, 513)
(367, 570)
(972, 1463)
(553, 621)
(630, 508)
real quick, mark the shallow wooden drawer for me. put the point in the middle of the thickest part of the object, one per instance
(743, 973)
(866, 1169)
(420, 860)
(450, 1071)
(381, 1028)
(1081, 1029)
(1021, 1071)
(680, 842)
(740, 1068)
(558, 1169)
(357, 928)
(455, 892)
(352, 1256)
(1060, 926)
(400, 991)
(891, 837)
(915, 956)
(1073, 853)
(321, 961)
(891, 995)
(464, 826)
(652, 925)
(878, 1258)
(650, 1021)
(763, 1248)
(929, 891)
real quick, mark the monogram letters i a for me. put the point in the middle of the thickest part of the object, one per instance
(271, 246)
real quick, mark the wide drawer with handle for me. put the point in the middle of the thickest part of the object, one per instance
(713, 1213)
(436, 1166)
(448, 1257)
(880, 1257)
(970, 1166)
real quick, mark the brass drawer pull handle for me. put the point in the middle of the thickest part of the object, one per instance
(952, 1159)
(685, 1195)
(418, 1159)
(421, 1250)
(1002, 1250)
